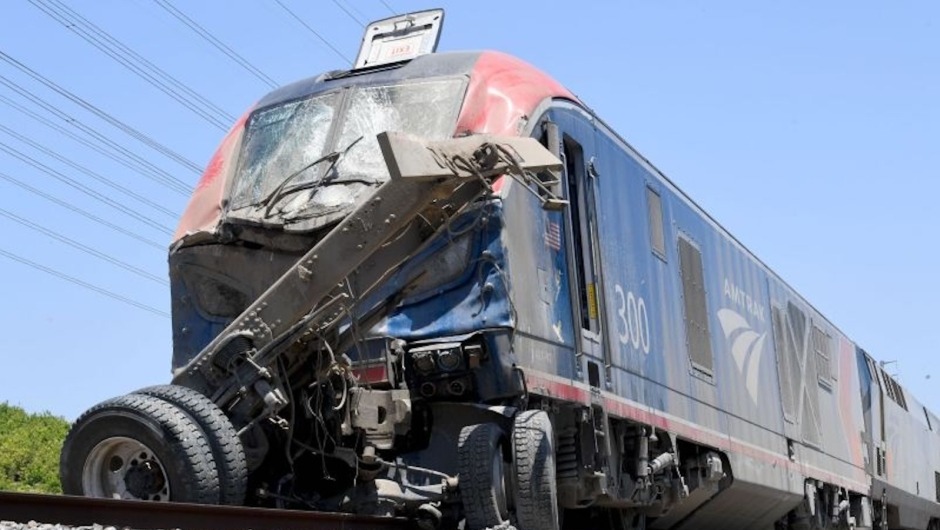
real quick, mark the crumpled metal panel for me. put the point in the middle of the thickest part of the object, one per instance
(204, 210)
(477, 299)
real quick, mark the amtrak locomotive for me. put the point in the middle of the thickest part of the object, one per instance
(436, 285)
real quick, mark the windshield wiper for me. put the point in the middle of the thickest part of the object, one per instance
(279, 192)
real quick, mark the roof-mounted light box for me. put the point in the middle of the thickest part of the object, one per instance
(400, 38)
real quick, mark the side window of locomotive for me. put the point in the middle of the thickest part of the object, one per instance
(694, 309)
(581, 230)
(654, 206)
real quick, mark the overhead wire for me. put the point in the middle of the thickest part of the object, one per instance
(392, 11)
(136, 63)
(82, 188)
(82, 247)
(349, 13)
(216, 43)
(113, 150)
(131, 160)
(313, 31)
(84, 170)
(90, 286)
(127, 129)
(225, 115)
(356, 10)
(84, 213)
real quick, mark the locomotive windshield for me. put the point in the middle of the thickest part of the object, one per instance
(313, 159)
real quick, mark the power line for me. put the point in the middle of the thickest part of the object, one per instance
(82, 283)
(84, 213)
(81, 188)
(141, 166)
(215, 42)
(90, 131)
(200, 99)
(357, 11)
(348, 13)
(82, 247)
(392, 11)
(311, 30)
(134, 133)
(152, 74)
(100, 178)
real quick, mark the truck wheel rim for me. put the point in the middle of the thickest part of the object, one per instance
(499, 484)
(124, 468)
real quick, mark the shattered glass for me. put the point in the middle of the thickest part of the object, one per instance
(283, 139)
(423, 109)
(278, 141)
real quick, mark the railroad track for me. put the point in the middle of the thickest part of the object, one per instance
(84, 511)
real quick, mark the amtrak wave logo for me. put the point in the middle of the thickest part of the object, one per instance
(746, 347)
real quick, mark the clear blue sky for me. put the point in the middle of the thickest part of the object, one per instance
(809, 129)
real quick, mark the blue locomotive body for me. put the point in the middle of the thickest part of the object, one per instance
(588, 340)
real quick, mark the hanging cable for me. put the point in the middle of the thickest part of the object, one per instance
(85, 190)
(349, 13)
(215, 42)
(84, 213)
(82, 283)
(133, 61)
(392, 11)
(311, 30)
(156, 172)
(82, 169)
(82, 247)
(362, 16)
(127, 129)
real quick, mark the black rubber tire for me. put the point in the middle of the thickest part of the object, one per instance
(227, 450)
(479, 453)
(535, 491)
(175, 439)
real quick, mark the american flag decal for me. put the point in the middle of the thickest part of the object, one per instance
(553, 236)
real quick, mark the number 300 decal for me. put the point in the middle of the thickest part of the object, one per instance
(634, 326)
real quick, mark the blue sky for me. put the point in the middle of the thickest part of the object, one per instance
(810, 130)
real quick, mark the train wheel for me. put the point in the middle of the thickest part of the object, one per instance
(535, 491)
(138, 447)
(482, 476)
(227, 450)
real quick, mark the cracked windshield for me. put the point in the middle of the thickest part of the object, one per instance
(290, 169)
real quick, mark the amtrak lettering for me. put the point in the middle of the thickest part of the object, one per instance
(745, 302)
(747, 346)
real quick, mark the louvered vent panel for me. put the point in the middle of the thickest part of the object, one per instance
(698, 338)
(788, 387)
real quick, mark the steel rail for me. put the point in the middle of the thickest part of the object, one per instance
(84, 511)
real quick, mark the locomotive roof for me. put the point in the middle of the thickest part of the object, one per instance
(423, 66)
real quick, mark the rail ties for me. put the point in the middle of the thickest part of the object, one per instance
(84, 511)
